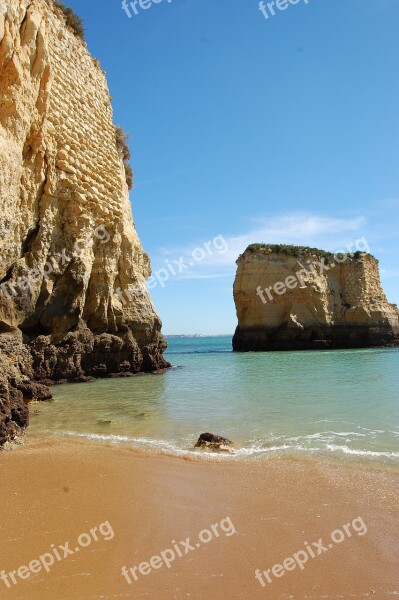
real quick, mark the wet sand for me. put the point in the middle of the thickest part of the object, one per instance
(54, 491)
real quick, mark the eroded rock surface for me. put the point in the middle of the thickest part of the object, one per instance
(339, 306)
(72, 268)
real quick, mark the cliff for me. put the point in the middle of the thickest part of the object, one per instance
(295, 298)
(73, 302)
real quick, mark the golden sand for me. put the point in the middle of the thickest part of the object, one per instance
(123, 508)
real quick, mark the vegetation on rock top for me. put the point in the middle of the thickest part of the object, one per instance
(72, 19)
(297, 251)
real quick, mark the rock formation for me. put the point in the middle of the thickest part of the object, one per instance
(214, 443)
(73, 302)
(295, 298)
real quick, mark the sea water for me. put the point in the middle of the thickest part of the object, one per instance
(342, 404)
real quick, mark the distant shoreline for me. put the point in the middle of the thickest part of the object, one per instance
(197, 335)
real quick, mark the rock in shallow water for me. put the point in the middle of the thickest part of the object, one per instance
(214, 443)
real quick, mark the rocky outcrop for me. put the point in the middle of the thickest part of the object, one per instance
(294, 298)
(73, 301)
(15, 370)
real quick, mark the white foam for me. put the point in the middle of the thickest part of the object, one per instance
(371, 453)
(254, 449)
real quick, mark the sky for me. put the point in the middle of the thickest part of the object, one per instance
(249, 129)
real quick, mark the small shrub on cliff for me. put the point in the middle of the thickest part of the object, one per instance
(122, 144)
(121, 140)
(72, 19)
(129, 176)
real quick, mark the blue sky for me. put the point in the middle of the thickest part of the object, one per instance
(282, 130)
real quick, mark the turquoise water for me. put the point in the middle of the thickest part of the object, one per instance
(343, 404)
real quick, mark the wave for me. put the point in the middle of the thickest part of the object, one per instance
(254, 449)
(370, 453)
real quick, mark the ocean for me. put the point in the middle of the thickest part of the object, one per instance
(341, 404)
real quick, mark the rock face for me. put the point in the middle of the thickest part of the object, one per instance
(294, 298)
(73, 302)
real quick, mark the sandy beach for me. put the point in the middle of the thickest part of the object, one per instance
(106, 507)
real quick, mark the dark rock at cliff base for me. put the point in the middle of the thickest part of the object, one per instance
(214, 443)
(262, 339)
(35, 391)
(15, 372)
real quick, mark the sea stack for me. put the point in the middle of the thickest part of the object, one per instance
(298, 298)
(73, 301)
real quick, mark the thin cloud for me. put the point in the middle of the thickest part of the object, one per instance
(390, 203)
(302, 229)
(193, 276)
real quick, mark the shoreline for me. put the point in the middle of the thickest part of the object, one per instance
(39, 387)
(361, 459)
(150, 500)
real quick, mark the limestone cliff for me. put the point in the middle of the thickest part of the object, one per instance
(294, 298)
(73, 302)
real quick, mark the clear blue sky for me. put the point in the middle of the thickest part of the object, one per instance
(278, 130)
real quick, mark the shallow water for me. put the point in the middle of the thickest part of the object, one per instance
(343, 404)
